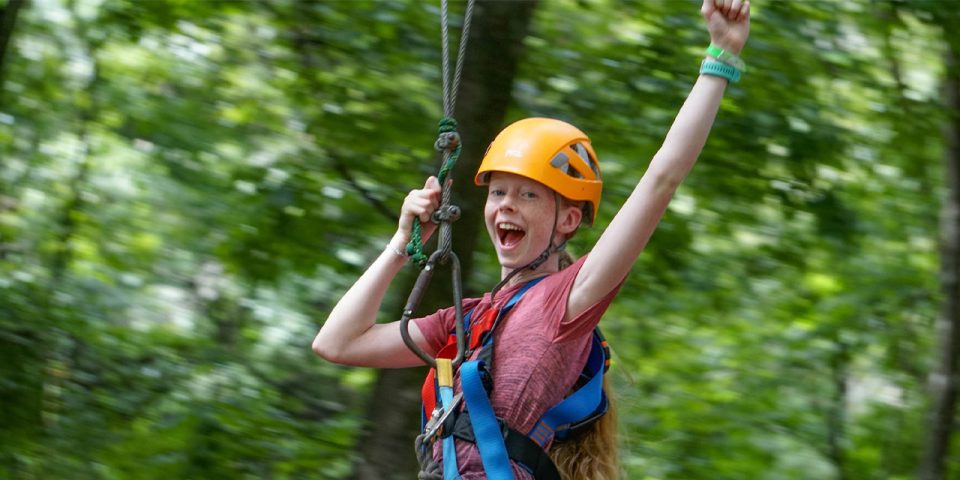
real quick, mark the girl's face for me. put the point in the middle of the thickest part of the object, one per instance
(520, 214)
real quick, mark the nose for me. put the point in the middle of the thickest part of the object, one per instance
(508, 202)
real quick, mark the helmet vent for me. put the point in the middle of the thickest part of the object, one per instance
(585, 155)
(561, 161)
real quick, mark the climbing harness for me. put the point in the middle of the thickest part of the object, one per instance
(495, 440)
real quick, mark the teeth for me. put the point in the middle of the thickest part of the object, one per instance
(509, 226)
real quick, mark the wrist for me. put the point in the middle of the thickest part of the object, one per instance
(734, 50)
(726, 55)
(397, 246)
(719, 69)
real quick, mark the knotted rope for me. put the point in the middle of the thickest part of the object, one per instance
(429, 468)
(448, 142)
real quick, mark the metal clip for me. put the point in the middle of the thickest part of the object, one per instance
(446, 213)
(439, 417)
(414, 300)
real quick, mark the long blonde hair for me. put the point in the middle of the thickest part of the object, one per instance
(591, 452)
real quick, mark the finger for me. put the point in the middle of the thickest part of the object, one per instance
(429, 205)
(707, 8)
(423, 198)
(723, 6)
(426, 211)
(736, 14)
(735, 7)
(433, 203)
(744, 11)
(414, 208)
(421, 204)
(432, 183)
(414, 200)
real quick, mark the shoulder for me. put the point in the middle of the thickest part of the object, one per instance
(564, 279)
(587, 293)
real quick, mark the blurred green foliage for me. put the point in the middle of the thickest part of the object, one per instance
(186, 188)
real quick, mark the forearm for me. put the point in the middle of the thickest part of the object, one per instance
(688, 134)
(356, 312)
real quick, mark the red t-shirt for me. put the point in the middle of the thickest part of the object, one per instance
(537, 356)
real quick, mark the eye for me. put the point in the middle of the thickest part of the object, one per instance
(529, 195)
(496, 192)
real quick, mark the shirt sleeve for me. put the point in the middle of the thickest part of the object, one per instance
(557, 295)
(437, 326)
(587, 320)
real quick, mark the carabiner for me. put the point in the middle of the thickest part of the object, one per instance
(416, 295)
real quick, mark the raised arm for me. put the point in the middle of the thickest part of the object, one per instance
(350, 335)
(728, 22)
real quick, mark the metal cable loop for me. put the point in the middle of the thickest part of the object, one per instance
(461, 53)
(446, 233)
(445, 59)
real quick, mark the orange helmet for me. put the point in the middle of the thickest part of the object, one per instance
(551, 152)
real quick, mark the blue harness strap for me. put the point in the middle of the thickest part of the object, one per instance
(486, 428)
(582, 406)
(450, 469)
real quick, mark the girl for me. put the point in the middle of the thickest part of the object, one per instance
(543, 182)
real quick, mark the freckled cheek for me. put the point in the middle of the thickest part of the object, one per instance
(489, 216)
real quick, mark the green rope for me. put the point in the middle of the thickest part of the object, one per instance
(415, 247)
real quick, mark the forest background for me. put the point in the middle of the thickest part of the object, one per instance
(188, 186)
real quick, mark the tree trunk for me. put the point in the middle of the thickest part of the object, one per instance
(8, 18)
(493, 52)
(944, 382)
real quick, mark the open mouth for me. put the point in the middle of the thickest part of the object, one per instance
(509, 234)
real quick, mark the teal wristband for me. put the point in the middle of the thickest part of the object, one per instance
(726, 57)
(720, 69)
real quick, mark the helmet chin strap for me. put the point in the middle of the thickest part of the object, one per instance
(543, 257)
